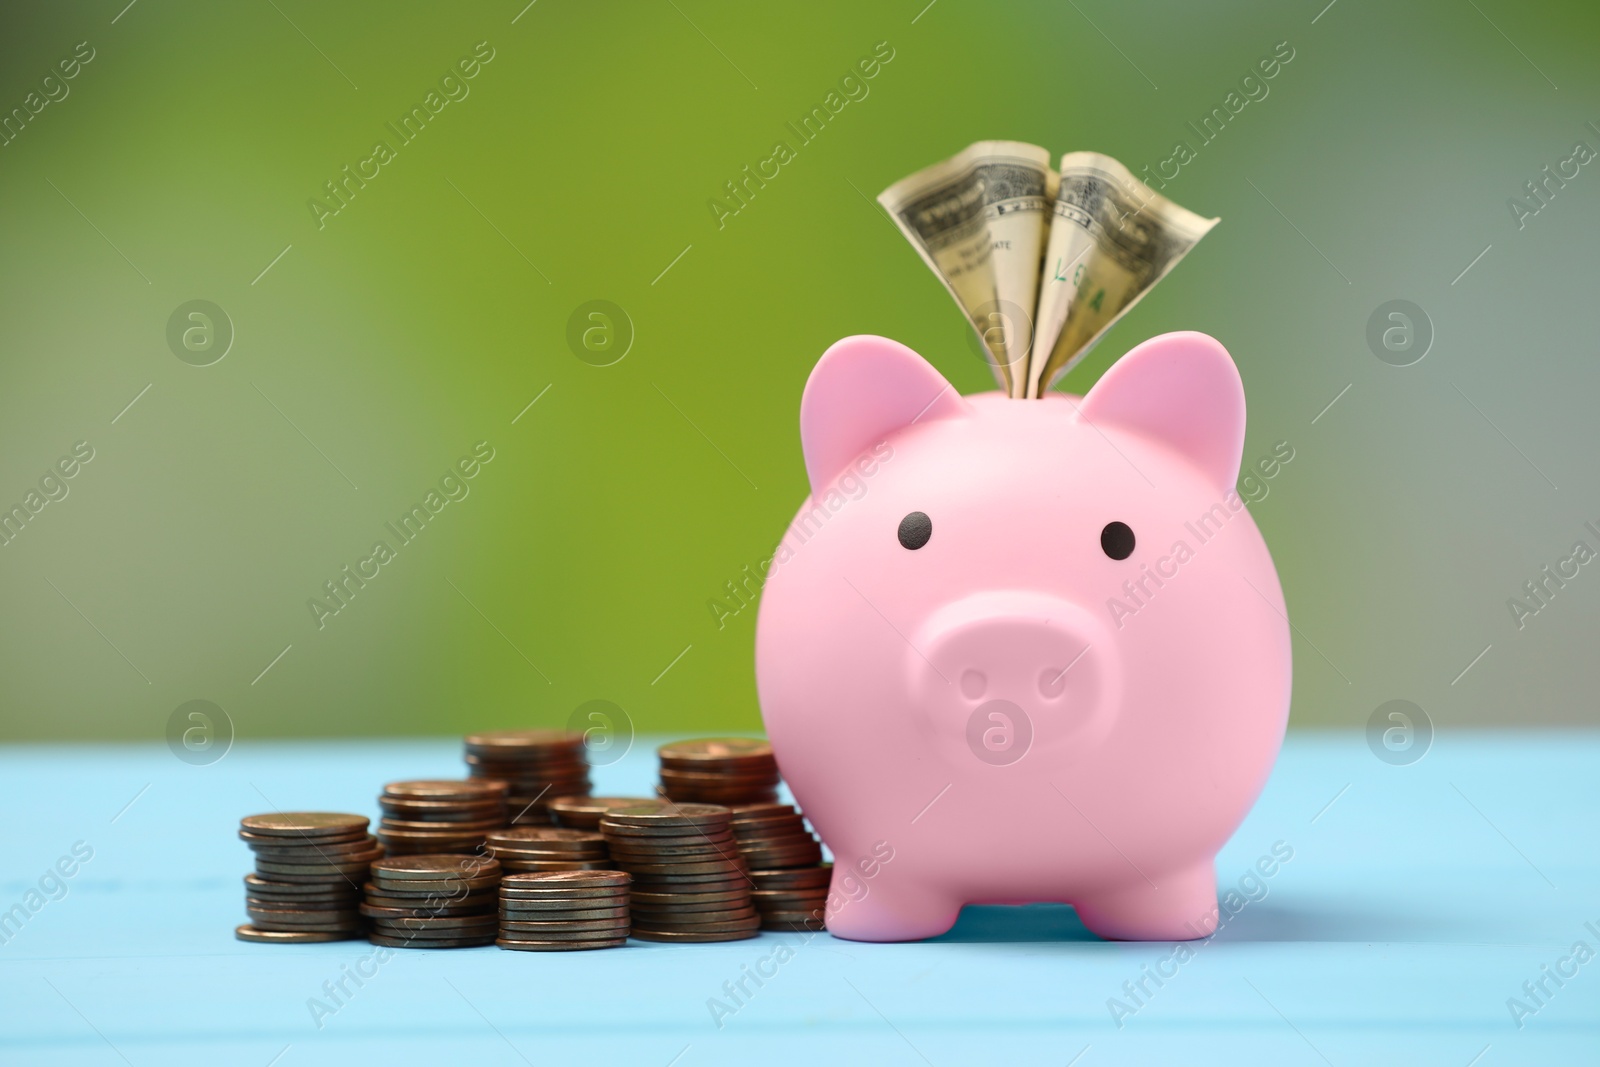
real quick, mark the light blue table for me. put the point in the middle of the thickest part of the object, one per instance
(1418, 900)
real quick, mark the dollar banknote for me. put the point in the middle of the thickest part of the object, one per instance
(1042, 262)
(1111, 239)
(979, 221)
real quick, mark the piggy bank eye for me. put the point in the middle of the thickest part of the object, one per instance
(915, 529)
(1116, 539)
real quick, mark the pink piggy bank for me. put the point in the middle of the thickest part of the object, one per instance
(1024, 650)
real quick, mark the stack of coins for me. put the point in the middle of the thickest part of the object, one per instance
(537, 765)
(773, 836)
(583, 812)
(436, 816)
(548, 848)
(719, 770)
(438, 901)
(563, 911)
(689, 883)
(793, 899)
(309, 870)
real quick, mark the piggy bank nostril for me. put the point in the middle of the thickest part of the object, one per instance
(973, 684)
(1052, 681)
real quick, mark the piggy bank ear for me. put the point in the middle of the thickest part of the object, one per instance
(861, 390)
(1180, 388)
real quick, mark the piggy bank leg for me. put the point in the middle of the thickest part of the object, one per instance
(890, 912)
(1181, 906)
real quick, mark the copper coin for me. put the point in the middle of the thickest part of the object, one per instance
(260, 843)
(693, 901)
(706, 798)
(679, 854)
(430, 808)
(439, 831)
(260, 886)
(619, 837)
(303, 823)
(792, 914)
(561, 880)
(554, 929)
(685, 865)
(547, 892)
(766, 837)
(387, 941)
(322, 907)
(690, 912)
(530, 789)
(754, 852)
(501, 740)
(781, 897)
(404, 928)
(442, 836)
(716, 750)
(642, 837)
(530, 817)
(406, 887)
(270, 918)
(502, 853)
(748, 922)
(445, 789)
(692, 921)
(388, 930)
(437, 903)
(547, 837)
(696, 937)
(572, 778)
(691, 884)
(523, 945)
(383, 911)
(585, 811)
(408, 833)
(746, 812)
(460, 820)
(524, 862)
(667, 836)
(569, 935)
(720, 779)
(426, 923)
(528, 866)
(465, 848)
(248, 932)
(526, 906)
(357, 869)
(321, 881)
(564, 915)
(294, 847)
(342, 928)
(795, 878)
(675, 781)
(778, 838)
(682, 796)
(554, 763)
(666, 813)
(682, 907)
(434, 867)
(444, 888)
(767, 860)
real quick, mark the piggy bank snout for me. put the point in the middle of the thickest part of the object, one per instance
(1001, 670)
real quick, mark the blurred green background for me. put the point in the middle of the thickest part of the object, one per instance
(373, 351)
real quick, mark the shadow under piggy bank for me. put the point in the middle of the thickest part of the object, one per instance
(1264, 922)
